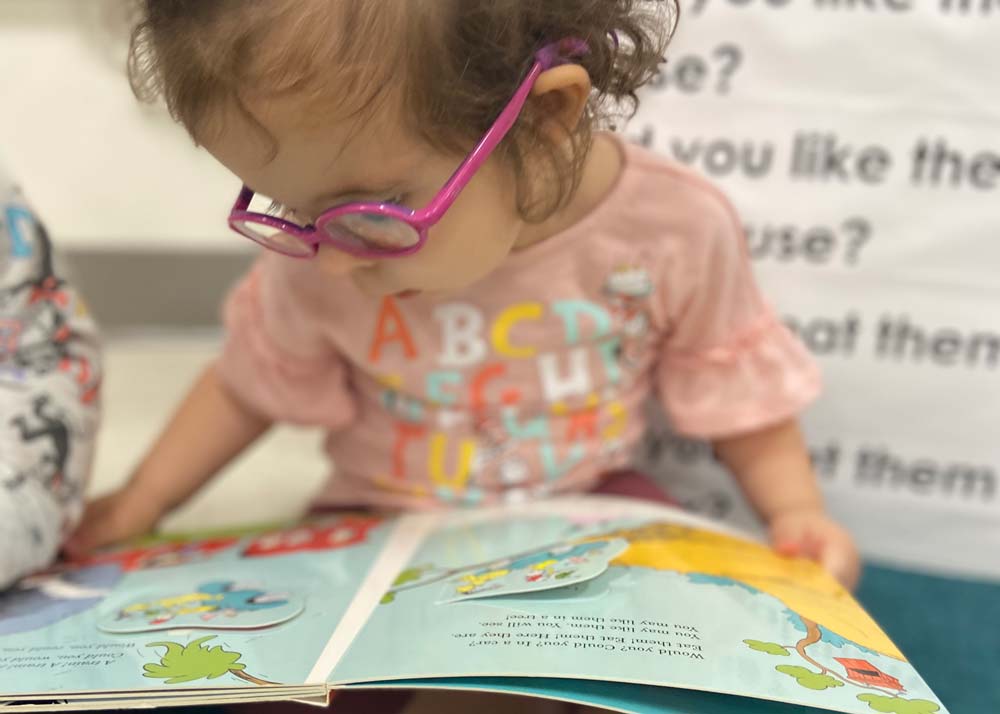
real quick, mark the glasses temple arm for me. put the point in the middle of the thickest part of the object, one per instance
(486, 146)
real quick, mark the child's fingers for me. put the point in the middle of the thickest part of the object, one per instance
(820, 540)
(85, 539)
(88, 539)
(789, 538)
(74, 548)
(104, 522)
(841, 560)
(788, 548)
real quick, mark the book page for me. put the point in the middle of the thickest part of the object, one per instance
(408, 534)
(235, 610)
(683, 604)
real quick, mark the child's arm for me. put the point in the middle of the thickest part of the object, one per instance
(276, 366)
(209, 429)
(732, 373)
(774, 470)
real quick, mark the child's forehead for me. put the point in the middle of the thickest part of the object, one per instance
(280, 142)
(298, 126)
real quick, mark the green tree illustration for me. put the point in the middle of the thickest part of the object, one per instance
(188, 663)
(881, 700)
(899, 705)
(410, 575)
(768, 647)
(809, 679)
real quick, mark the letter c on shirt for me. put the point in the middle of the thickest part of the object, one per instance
(505, 324)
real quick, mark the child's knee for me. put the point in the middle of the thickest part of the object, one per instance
(31, 523)
(50, 374)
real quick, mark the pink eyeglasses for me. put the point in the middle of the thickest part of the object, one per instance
(388, 230)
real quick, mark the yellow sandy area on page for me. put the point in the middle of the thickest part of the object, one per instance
(804, 587)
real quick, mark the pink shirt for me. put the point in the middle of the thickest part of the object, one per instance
(534, 380)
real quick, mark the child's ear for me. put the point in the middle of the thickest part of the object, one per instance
(562, 93)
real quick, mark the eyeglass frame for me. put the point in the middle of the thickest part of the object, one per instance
(422, 220)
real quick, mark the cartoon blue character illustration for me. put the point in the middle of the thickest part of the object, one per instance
(564, 554)
(549, 567)
(209, 601)
(216, 605)
(231, 599)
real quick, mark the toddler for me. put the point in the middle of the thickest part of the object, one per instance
(465, 282)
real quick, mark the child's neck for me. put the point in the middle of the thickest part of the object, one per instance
(600, 173)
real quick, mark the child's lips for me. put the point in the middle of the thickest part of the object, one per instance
(404, 294)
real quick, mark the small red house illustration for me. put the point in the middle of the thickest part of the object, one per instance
(858, 670)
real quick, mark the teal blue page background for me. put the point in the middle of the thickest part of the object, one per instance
(53, 644)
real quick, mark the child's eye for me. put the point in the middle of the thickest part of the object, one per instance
(281, 211)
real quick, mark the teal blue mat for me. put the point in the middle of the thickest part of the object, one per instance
(949, 629)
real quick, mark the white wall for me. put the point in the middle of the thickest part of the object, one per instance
(102, 169)
(890, 268)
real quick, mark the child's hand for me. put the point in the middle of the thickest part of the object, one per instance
(811, 533)
(119, 516)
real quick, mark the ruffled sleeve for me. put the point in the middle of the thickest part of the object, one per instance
(276, 359)
(728, 365)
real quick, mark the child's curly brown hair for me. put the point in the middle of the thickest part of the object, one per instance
(454, 64)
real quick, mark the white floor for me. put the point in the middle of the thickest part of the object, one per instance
(146, 376)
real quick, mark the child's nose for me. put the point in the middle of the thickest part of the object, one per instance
(337, 262)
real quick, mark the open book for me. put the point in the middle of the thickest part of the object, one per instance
(609, 602)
